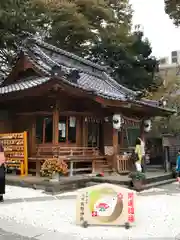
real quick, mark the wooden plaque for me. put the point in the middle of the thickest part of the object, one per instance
(105, 204)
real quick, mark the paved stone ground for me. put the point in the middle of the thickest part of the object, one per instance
(11, 236)
(169, 189)
(31, 214)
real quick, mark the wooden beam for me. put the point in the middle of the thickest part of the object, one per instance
(115, 103)
(33, 136)
(41, 113)
(85, 133)
(19, 66)
(136, 108)
(84, 113)
(55, 124)
(115, 148)
(115, 141)
(101, 137)
(78, 131)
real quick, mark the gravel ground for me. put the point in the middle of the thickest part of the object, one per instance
(157, 215)
(11, 236)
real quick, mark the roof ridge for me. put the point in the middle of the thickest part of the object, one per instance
(119, 86)
(45, 55)
(66, 53)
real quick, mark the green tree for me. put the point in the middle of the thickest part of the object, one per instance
(101, 31)
(16, 17)
(130, 60)
(77, 25)
(172, 8)
(96, 29)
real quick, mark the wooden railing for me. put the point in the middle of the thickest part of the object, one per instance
(124, 164)
(79, 159)
(56, 151)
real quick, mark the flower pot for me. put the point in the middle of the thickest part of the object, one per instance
(60, 176)
(55, 177)
(137, 184)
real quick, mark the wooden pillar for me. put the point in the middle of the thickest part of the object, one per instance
(55, 124)
(33, 136)
(115, 147)
(142, 136)
(78, 131)
(31, 129)
(101, 137)
(121, 142)
(142, 133)
(84, 133)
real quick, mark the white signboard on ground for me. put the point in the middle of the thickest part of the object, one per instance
(105, 204)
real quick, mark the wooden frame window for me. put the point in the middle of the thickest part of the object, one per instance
(67, 129)
(93, 134)
(130, 134)
(44, 129)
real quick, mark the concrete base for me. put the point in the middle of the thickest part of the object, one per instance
(76, 182)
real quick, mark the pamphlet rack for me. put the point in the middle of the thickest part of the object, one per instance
(15, 149)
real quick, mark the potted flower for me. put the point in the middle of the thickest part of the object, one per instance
(138, 179)
(54, 168)
(61, 167)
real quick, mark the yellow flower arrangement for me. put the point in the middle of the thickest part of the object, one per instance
(53, 165)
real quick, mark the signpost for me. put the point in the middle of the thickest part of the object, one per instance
(105, 204)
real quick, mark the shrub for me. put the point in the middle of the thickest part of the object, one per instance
(53, 165)
(137, 176)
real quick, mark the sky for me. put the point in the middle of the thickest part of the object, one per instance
(157, 26)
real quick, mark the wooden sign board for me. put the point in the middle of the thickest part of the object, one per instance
(105, 204)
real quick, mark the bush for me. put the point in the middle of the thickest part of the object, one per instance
(137, 176)
(53, 165)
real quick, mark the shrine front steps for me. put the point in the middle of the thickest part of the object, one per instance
(77, 182)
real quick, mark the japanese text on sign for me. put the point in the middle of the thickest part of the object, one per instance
(130, 207)
(86, 198)
(82, 207)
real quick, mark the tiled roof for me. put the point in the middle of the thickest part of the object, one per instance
(154, 104)
(23, 85)
(93, 77)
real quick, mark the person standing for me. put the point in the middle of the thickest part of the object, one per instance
(143, 162)
(178, 167)
(138, 152)
(2, 173)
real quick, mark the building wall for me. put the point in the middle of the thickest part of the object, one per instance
(108, 138)
(108, 134)
(170, 73)
(5, 126)
(173, 145)
(5, 122)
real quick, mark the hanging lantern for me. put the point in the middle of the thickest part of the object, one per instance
(147, 125)
(72, 122)
(117, 121)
